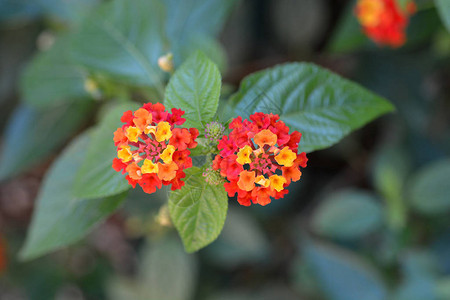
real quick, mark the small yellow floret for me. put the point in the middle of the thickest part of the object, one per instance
(125, 154)
(163, 132)
(261, 180)
(133, 133)
(149, 167)
(277, 182)
(286, 157)
(166, 155)
(244, 155)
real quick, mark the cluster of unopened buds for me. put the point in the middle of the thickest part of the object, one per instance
(151, 150)
(384, 21)
(256, 161)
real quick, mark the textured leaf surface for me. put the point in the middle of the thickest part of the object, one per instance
(166, 273)
(195, 88)
(96, 177)
(320, 104)
(198, 210)
(443, 7)
(31, 135)
(52, 77)
(429, 191)
(60, 218)
(124, 39)
(348, 214)
(342, 274)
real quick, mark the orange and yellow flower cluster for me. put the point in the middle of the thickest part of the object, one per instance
(384, 21)
(151, 150)
(259, 159)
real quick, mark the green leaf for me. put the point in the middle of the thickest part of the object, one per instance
(124, 39)
(32, 135)
(429, 189)
(60, 218)
(320, 104)
(443, 7)
(198, 210)
(342, 274)
(96, 177)
(52, 77)
(166, 273)
(195, 88)
(348, 214)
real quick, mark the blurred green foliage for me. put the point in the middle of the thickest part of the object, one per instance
(378, 228)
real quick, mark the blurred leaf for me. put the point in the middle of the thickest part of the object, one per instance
(198, 210)
(52, 77)
(67, 10)
(166, 273)
(195, 89)
(343, 275)
(241, 241)
(186, 17)
(348, 214)
(443, 7)
(13, 10)
(419, 273)
(124, 39)
(429, 189)
(208, 45)
(193, 24)
(443, 288)
(321, 105)
(391, 167)
(32, 135)
(96, 177)
(60, 218)
(348, 35)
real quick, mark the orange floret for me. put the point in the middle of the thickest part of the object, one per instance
(134, 171)
(265, 137)
(142, 118)
(246, 180)
(167, 172)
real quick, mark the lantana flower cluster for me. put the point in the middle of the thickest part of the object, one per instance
(384, 21)
(151, 150)
(259, 159)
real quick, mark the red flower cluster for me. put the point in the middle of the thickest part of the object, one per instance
(384, 21)
(151, 149)
(259, 158)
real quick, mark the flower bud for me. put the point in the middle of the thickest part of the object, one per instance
(214, 131)
(165, 62)
(213, 177)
